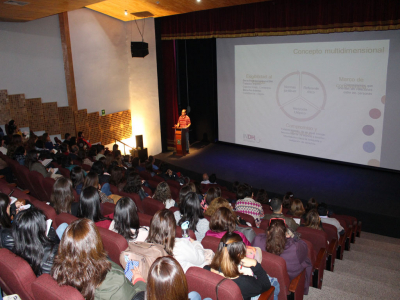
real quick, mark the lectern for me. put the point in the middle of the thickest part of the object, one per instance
(180, 140)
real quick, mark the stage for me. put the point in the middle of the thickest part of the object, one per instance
(369, 194)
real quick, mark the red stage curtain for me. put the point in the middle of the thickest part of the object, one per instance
(284, 17)
(170, 88)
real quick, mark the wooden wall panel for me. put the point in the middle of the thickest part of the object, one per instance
(18, 111)
(81, 122)
(35, 114)
(51, 119)
(4, 107)
(94, 127)
(67, 120)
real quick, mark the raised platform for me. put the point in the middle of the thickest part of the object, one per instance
(369, 194)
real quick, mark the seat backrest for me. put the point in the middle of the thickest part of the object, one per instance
(275, 266)
(144, 220)
(264, 224)
(48, 211)
(113, 243)
(174, 193)
(151, 206)
(135, 197)
(157, 178)
(45, 287)
(48, 187)
(318, 238)
(210, 242)
(173, 183)
(107, 208)
(204, 282)
(65, 218)
(36, 180)
(16, 276)
(23, 177)
(148, 191)
(331, 231)
(145, 175)
(86, 167)
(247, 218)
(228, 195)
(178, 233)
(64, 172)
(174, 209)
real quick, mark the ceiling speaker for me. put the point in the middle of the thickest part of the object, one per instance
(139, 49)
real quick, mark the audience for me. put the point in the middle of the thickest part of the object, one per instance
(89, 207)
(93, 180)
(167, 281)
(117, 178)
(33, 164)
(163, 194)
(230, 255)
(28, 239)
(262, 197)
(19, 155)
(313, 220)
(311, 204)
(82, 143)
(5, 220)
(287, 200)
(62, 197)
(186, 189)
(126, 221)
(190, 210)
(247, 205)
(217, 203)
(2, 148)
(100, 152)
(98, 168)
(82, 263)
(296, 209)
(276, 205)
(187, 252)
(280, 241)
(223, 221)
(134, 185)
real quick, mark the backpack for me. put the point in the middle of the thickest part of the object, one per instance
(144, 253)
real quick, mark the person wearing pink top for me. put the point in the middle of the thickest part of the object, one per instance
(184, 122)
(223, 221)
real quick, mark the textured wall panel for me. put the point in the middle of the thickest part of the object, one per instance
(81, 122)
(94, 127)
(4, 107)
(51, 120)
(18, 111)
(35, 114)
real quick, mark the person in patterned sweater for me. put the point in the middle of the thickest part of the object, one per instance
(248, 205)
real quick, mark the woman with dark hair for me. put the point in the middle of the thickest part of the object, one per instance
(5, 220)
(77, 176)
(230, 255)
(134, 185)
(30, 144)
(82, 263)
(33, 164)
(187, 252)
(89, 207)
(190, 210)
(117, 178)
(48, 144)
(296, 209)
(167, 281)
(262, 197)
(223, 221)
(92, 152)
(287, 200)
(212, 193)
(163, 194)
(280, 241)
(62, 197)
(28, 239)
(313, 220)
(19, 155)
(16, 141)
(186, 189)
(312, 203)
(98, 168)
(126, 221)
(92, 179)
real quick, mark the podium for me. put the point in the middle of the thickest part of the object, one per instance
(180, 140)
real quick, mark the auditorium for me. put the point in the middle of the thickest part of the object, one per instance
(197, 149)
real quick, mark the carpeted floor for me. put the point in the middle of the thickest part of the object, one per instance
(371, 270)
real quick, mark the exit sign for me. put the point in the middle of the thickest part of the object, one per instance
(103, 112)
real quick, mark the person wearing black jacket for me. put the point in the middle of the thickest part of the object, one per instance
(27, 238)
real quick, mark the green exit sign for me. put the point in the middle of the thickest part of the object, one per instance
(103, 112)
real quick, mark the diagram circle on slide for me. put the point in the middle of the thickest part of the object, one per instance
(301, 96)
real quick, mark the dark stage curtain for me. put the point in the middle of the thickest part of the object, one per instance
(284, 17)
(170, 88)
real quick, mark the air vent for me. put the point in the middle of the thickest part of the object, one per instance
(17, 3)
(142, 14)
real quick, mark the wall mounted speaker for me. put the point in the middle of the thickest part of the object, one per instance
(139, 141)
(139, 49)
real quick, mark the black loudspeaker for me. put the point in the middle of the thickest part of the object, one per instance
(139, 141)
(139, 49)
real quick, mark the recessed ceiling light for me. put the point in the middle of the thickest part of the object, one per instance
(126, 12)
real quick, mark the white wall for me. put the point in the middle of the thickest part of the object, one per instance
(31, 60)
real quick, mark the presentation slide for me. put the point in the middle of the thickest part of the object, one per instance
(321, 99)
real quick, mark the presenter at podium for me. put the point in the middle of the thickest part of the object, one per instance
(184, 122)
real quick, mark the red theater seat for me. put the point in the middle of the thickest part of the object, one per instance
(151, 206)
(45, 287)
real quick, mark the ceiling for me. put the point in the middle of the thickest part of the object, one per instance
(37, 9)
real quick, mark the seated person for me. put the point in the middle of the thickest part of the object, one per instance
(262, 197)
(93, 180)
(5, 219)
(323, 214)
(100, 152)
(136, 164)
(67, 138)
(28, 239)
(62, 197)
(311, 204)
(48, 144)
(98, 168)
(276, 205)
(19, 155)
(152, 160)
(190, 210)
(134, 185)
(211, 194)
(117, 178)
(167, 281)
(280, 241)
(223, 221)
(205, 179)
(89, 208)
(297, 209)
(230, 255)
(126, 221)
(248, 205)
(163, 194)
(33, 164)
(82, 143)
(312, 220)
(188, 252)
(77, 176)
(82, 263)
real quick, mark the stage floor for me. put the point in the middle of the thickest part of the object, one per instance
(369, 194)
